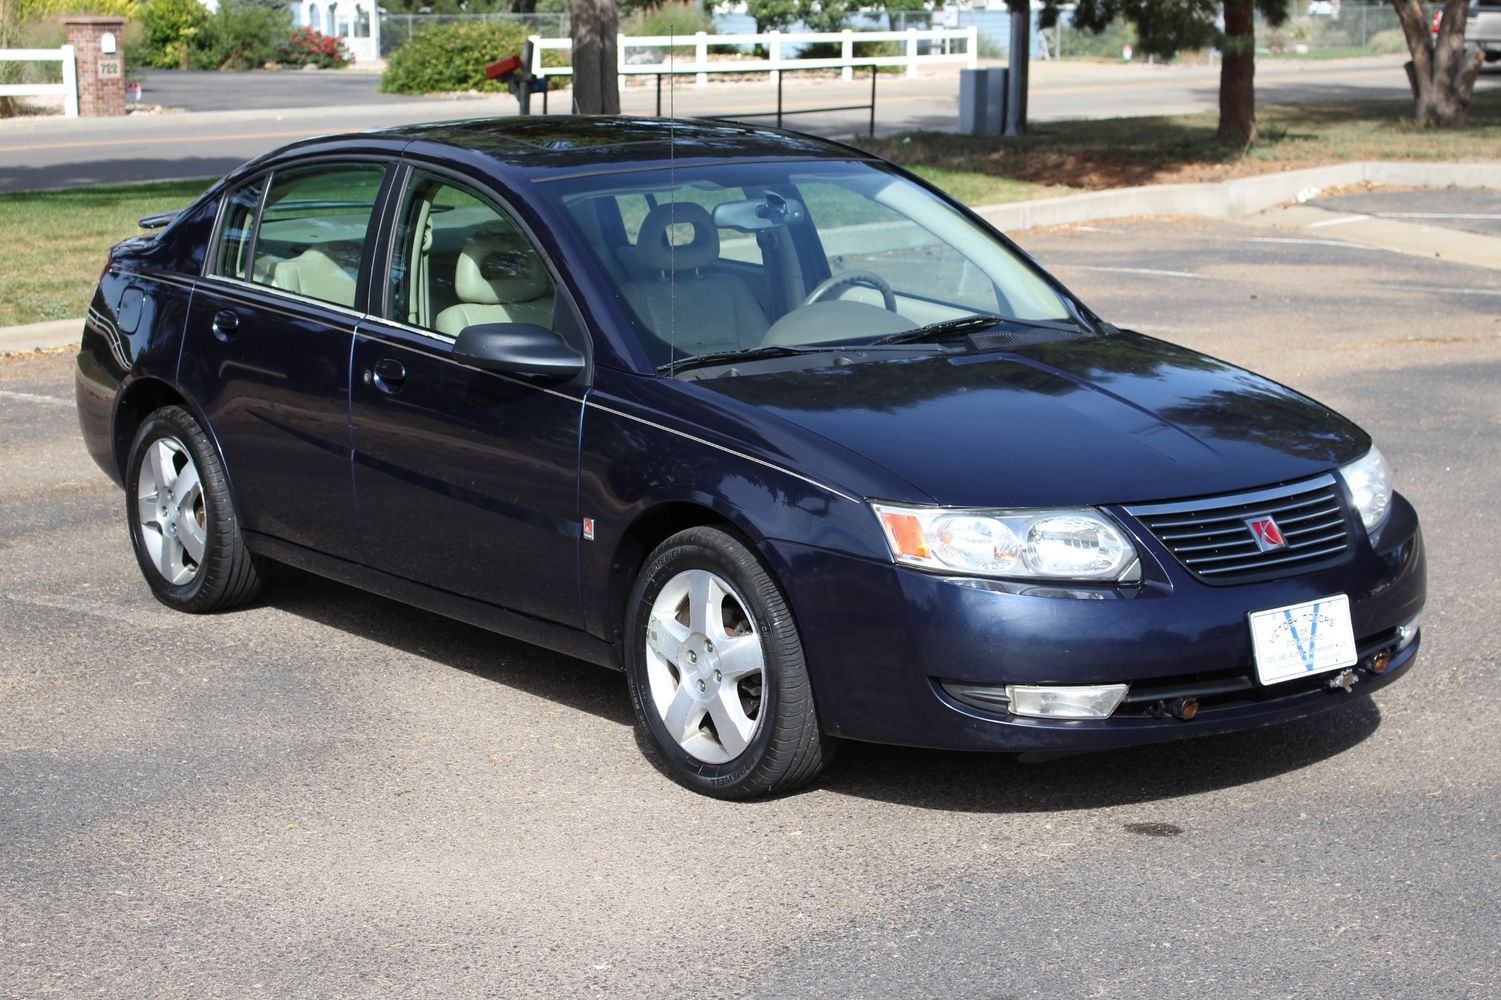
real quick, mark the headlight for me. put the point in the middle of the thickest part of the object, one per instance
(1031, 544)
(1370, 483)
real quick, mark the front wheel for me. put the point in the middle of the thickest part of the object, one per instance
(182, 521)
(716, 671)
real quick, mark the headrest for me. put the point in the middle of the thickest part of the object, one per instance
(494, 270)
(653, 250)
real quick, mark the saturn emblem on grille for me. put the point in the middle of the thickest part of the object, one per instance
(1268, 536)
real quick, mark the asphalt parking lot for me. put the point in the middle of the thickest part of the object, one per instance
(1473, 210)
(329, 794)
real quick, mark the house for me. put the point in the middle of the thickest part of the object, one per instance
(355, 21)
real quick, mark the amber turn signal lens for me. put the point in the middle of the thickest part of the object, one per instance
(905, 533)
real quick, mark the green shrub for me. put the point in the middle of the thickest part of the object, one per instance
(681, 19)
(172, 30)
(1387, 42)
(244, 34)
(447, 57)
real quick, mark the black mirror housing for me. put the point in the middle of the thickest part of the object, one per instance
(517, 349)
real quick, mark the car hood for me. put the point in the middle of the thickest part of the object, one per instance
(1094, 420)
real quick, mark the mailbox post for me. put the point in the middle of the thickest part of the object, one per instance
(99, 47)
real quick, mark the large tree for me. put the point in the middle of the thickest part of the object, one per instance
(1166, 27)
(596, 87)
(1443, 69)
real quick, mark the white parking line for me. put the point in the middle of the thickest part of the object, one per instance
(31, 397)
(1138, 270)
(1488, 216)
(1336, 222)
(1317, 243)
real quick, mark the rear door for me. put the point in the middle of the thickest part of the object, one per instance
(268, 342)
(466, 480)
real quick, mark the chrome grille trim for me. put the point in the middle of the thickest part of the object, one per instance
(1209, 536)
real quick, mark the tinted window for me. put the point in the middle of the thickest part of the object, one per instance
(860, 234)
(313, 229)
(232, 257)
(459, 261)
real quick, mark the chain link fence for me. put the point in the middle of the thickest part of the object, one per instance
(397, 29)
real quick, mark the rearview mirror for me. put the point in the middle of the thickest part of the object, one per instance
(517, 349)
(753, 214)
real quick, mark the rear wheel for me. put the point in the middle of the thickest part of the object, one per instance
(182, 522)
(716, 671)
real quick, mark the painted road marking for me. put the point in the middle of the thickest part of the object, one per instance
(1440, 215)
(1318, 243)
(31, 397)
(1336, 222)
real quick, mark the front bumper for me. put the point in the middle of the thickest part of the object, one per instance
(880, 641)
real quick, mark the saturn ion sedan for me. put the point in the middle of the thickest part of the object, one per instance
(795, 440)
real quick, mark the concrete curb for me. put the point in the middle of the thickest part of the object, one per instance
(1234, 198)
(41, 336)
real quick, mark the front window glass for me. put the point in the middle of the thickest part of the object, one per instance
(738, 257)
(459, 261)
(313, 230)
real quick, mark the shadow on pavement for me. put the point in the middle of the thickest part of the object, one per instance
(1001, 783)
(941, 780)
(446, 642)
(67, 175)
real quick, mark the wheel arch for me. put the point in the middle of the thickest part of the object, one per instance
(650, 529)
(142, 397)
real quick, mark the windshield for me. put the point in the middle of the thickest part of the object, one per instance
(733, 258)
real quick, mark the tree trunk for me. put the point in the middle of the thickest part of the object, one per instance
(1238, 74)
(1442, 70)
(596, 88)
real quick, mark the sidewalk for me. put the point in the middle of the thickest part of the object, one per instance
(1272, 201)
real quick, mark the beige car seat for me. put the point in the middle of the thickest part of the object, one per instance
(700, 311)
(499, 279)
(317, 275)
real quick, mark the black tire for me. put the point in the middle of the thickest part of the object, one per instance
(788, 748)
(227, 574)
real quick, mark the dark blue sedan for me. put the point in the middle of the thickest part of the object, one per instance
(795, 440)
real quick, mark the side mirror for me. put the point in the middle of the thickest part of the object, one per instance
(517, 349)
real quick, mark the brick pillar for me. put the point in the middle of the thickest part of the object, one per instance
(100, 46)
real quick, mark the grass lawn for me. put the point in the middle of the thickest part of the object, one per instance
(1122, 152)
(53, 244)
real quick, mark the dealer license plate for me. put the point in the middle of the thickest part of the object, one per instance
(1303, 639)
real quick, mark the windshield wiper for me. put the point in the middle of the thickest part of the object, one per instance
(726, 357)
(943, 328)
(969, 324)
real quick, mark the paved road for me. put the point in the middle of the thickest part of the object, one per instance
(56, 153)
(329, 794)
(1470, 210)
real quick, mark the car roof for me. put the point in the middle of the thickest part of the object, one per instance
(556, 146)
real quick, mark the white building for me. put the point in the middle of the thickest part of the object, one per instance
(355, 21)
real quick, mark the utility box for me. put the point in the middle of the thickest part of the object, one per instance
(982, 101)
(99, 46)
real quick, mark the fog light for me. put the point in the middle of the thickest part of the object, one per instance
(1407, 632)
(1082, 702)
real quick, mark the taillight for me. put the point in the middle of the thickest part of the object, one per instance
(109, 261)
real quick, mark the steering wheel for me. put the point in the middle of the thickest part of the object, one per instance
(868, 278)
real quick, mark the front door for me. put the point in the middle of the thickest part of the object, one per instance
(268, 342)
(465, 480)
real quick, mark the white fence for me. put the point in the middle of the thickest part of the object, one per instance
(67, 90)
(941, 49)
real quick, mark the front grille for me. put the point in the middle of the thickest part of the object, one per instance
(1212, 540)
